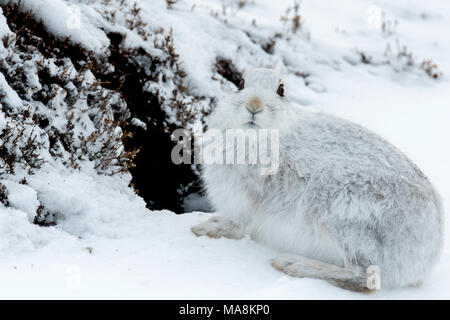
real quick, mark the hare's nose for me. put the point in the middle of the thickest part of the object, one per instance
(254, 105)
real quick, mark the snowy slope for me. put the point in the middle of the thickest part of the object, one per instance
(108, 245)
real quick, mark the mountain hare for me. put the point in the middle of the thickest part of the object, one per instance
(344, 204)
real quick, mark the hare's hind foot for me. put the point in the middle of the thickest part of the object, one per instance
(217, 227)
(350, 278)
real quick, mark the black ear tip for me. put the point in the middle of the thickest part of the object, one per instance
(241, 84)
(280, 90)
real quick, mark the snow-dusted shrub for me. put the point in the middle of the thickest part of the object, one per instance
(397, 55)
(82, 107)
(63, 108)
(19, 145)
(44, 217)
(293, 20)
(401, 60)
(228, 70)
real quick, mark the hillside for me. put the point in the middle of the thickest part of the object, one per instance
(91, 89)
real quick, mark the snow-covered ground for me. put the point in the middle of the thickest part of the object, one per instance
(108, 245)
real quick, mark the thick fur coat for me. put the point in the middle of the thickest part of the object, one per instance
(342, 195)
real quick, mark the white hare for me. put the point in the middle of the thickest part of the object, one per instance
(343, 199)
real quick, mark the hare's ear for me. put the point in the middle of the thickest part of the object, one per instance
(280, 89)
(242, 84)
(243, 74)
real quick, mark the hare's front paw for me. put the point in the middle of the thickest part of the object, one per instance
(217, 227)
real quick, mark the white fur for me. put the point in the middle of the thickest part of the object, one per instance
(342, 194)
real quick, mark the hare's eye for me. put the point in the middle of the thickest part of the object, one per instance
(280, 90)
(242, 84)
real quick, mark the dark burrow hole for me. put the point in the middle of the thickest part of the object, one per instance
(155, 177)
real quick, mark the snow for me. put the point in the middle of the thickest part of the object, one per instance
(23, 198)
(107, 244)
(65, 20)
(10, 95)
